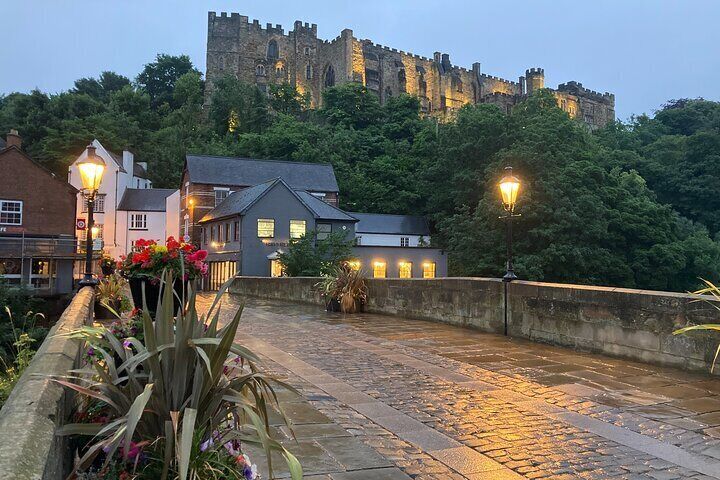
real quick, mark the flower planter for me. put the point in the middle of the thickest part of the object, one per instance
(333, 305)
(107, 270)
(152, 292)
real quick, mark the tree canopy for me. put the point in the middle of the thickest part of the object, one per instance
(634, 204)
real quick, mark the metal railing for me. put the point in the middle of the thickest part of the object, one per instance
(20, 247)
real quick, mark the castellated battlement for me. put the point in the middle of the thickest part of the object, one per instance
(498, 79)
(576, 88)
(235, 20)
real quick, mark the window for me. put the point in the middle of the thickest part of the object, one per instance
(99, 204)
(221, 61)
(212, 233)
(358, 240)
(221, 194)
(186, 225)
(272, 50)
(98, 227)
(138, 221)
(220, 233)
(402, 80)
(306, 50)
(11, 212)
(276, 269)
(297, 228)
(265, 228)
(260, 70)
(329, 76)
(236, 231)
(308, 72)
(323, 230)
(405, 270)
(379, 269)
(404, 241)
(227, 232)
(429, 270)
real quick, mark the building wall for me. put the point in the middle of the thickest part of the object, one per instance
(388, 240)
(172, 215)
(392, 256)
(241, 48)
(48, 202)
(156, 224)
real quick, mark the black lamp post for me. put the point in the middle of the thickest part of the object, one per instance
(509, 188)
(91, 172)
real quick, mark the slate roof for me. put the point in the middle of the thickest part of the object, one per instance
(145, 199)
(239, 202)
(118, 159)
(391, 224)
(234, 171)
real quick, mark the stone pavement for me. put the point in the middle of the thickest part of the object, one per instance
(385, 397)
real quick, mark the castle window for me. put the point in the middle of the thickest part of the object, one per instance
(457, 84)
(329, 76)
(308, 72)
(260, 70)
(272, 50)
(306, 50)
(280, 68)
(221, 62)
(372, 78)
(422, 85)
(402, 80)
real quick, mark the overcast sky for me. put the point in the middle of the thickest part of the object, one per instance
(644, 51)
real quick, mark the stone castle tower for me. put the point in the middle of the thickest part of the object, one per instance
(268, 55)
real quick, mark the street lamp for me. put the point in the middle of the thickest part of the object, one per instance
(509, 188)
(91, 173)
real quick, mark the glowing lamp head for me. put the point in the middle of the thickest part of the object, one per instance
(509, 188)
(91, 170)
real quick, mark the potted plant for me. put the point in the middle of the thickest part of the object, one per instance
(344, 289)
(110, 298)
(107, 264)
(182, 404)
(144, 266)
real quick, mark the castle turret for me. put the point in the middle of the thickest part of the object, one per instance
(534, 79)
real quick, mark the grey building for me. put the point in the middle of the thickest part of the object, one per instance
(245, 233)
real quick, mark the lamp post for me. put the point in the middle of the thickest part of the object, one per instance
(91, 172)
(509, 188)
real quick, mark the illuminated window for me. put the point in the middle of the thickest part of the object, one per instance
(297, 228)
(99, 206)
(11, 212)
(405, 270)
(265, 227)
(379, 270)
(276, 269)
(323, 230)
(429, 270)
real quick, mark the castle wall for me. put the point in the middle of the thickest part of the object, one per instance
(247, 50)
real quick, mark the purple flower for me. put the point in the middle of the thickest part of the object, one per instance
(206, 444)
(91, 351)
(126, 344)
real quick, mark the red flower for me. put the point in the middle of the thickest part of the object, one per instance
(198, 256)
(172, 244)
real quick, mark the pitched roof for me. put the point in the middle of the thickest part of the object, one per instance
(118, 159)
(315, 177)
(391, 224)
(237, 202)
(145, 199)
(323, 210)
(139, 171)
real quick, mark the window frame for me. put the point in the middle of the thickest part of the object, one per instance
(3, 202)
(236, 231)
(133, 221)
(225, 190)
(425, 269)
(297, 222)
(321, 234)
(409, 270)
(404, 241)
(269, 221)
(377, 264)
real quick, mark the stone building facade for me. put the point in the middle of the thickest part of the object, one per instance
(267, 55)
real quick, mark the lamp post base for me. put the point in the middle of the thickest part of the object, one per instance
(88, 281)
(509, 276)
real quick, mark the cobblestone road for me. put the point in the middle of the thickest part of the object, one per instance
(392, 398)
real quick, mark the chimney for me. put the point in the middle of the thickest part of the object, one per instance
(13, 139)
(90, 149)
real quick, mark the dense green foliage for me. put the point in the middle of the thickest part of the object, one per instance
(308, 257)
(632, 205)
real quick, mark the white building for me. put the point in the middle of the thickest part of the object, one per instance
(381, 230)
(127, 207)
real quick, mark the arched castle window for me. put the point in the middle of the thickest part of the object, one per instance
(272, 50)
(308, 72)
(260, 70)
(329, 76)
(402, 80)
(221, 63)
(279, 68)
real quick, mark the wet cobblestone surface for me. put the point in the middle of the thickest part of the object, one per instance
(536, 411)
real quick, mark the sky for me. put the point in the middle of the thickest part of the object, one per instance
(644, 51)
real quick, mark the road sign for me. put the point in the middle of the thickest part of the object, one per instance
(186, 238)
(80, 224)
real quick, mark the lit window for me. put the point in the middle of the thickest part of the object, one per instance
(265, 227)
(11, 212)
(379, 270)
(353, 264)
(297, 228)
(429, 270)
(404, 241)
(220, 195)
(323, 230)
(138, 221)
(405, 270)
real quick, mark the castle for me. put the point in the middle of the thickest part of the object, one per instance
(264, 56)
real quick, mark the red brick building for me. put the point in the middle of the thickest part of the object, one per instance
(207, 180)
(37, 222)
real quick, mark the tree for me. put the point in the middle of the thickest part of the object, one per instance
(158, 78)
(309, 257)
(286, 99)
(237, 107)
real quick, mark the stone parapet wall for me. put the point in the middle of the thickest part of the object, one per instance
(627, 323)
(29, 448)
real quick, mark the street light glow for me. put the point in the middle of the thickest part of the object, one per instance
(509, 188)
(91, 169)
